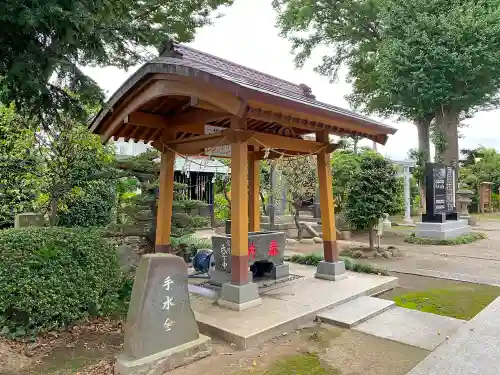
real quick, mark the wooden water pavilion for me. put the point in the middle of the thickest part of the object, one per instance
(171, 100)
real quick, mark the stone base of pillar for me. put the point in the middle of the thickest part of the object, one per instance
(219, 278)
(239, 297)
(408, 221)
(165, 361)
(331, 271)
(280, 271)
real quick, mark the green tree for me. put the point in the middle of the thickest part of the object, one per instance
(353, 32)
(71, 158)
(138, 211)
(344, 166)
(447, 54)
(18, 163)
(90, 205)
(299, 176)
(373, 190)
(420, 60)
(44, 44)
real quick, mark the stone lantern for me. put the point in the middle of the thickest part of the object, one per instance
(464, 200)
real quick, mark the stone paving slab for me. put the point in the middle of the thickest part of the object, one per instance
(285, 308)
(355, 312)
(473, 350)
(411, 327)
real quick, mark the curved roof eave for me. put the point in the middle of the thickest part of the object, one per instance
(239, 86)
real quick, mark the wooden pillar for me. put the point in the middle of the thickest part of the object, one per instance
(326, 202)
(166, 196)
(253, 193)
(239, 207)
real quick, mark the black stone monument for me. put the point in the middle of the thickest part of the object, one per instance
(440, 193)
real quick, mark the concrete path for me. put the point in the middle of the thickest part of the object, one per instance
(473, 350)
(478, 262)
(411, 327)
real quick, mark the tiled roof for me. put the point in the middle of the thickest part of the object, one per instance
(252, 79)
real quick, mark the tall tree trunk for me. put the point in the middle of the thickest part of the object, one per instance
(296, 206)
(263, 200)
(371, 236)
(424, 148)
(53, 210)
(446, 136)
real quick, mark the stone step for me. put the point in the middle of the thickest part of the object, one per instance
(411, 327)
(355, 312)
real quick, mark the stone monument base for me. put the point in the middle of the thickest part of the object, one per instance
(220, 278)
(331, 271)
(443, 231)
(280, 271)
(239, 297)
(163, 362)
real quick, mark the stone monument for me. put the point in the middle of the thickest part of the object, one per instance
(464, 200)
(29, 219)
(266, 255)
(161, 332)
(441, 219)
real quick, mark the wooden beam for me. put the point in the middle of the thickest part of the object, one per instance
(197, 144)
(146, 120)
(332, 125)
(239, 207)
(253, 192)
(195, 116)
(264, 140)
(136, 131)
(330, 247)
(166, 195)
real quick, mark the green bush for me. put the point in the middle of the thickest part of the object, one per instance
(314, 259)
(460, 240)
(53, 277)
(221, 208)
(91, 207)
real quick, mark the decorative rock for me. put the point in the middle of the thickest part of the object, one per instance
(291, 241)
(161, 332)
(318, 239)
(396, 252)
(308, 241)
(387, 254)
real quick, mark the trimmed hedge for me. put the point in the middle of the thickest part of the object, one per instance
(314, 259)
(53, 277)
(460, 240)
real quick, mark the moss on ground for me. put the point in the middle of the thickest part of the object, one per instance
(460, 240)
(461, 301)
(301, 364)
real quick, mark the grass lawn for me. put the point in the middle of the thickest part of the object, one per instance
(460, 301)
(301, 364)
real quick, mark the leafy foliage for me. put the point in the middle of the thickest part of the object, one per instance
(44, 44)
(52, 277)
(221, 208)
(373, 190)
(17, 162)
(345, 165)
(299, 176)
(138, 211)
(90, 206)
(421, 60)
(314, 259)
(71, 158)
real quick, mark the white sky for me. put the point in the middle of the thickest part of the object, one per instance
(247, 35)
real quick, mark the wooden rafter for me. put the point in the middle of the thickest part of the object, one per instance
(340, 127)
